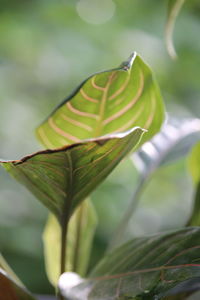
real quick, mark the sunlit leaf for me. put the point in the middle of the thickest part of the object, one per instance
(194, 165)
(107, 102)
(145, 268)
(79, 240)
(63, 177)
(174, 7)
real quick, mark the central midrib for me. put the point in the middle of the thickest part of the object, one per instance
(99, 126)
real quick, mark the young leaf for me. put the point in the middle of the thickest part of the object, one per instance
(194, 165)
(11, 287)
(145, 268)
(174, 7)
(107, 102)
(63, 177)
(81, 229)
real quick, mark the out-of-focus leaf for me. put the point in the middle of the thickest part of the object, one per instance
(107, 102)
(194, 166)
(81, 229)
(174, 141)
(63, 177)
(8, 270)
(145, 268)
(11, 289)
(174, 7)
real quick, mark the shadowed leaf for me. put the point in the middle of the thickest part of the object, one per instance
(63, 177)
(145, 268)
(81, 229)
(107, 102)
(174, 7)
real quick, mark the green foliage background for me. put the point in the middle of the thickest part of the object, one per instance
(46, 49)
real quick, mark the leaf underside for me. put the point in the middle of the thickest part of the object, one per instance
(107, 102)
(145, 268)
(62, 178)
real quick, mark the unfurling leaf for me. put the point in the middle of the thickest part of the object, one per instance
(145, 268)
(63, 177)
(174, 7)
(81, 229)
(108, 102)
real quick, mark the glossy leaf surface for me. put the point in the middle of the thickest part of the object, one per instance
(81, 229)
(107, 102)
(62, 178)
(174, 7)
(145, 268)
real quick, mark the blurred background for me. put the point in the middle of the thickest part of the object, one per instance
(47, 47)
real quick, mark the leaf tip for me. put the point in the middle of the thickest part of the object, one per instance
(126, 65)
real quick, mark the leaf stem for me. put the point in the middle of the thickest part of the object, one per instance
(119, 232)
(63, 254)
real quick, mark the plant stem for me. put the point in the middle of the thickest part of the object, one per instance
(127, 215)
(63, 253)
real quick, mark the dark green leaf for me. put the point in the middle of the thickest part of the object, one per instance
(107, 102)
(145, 268)
(81, 229)
(63, 177)
(174, 7)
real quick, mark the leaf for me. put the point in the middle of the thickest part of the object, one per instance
(194, 165)
(63, 177)
(11, 287)
(82, 226)
(174, 141)
(8, 270)
(174, 7)
(145, 268)
(108, 102)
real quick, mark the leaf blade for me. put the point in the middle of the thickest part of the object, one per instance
(63, 177)
(107, 102)
(147, 268)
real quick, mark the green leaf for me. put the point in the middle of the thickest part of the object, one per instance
(81, 229)
(145, 268)
(194, 166)
(63, 177)
(174, 7)
(11, 287)
(107, 102)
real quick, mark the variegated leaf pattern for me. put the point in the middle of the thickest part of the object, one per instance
(144, 268)
(61, 178)
(81, 229)
(107, 102)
